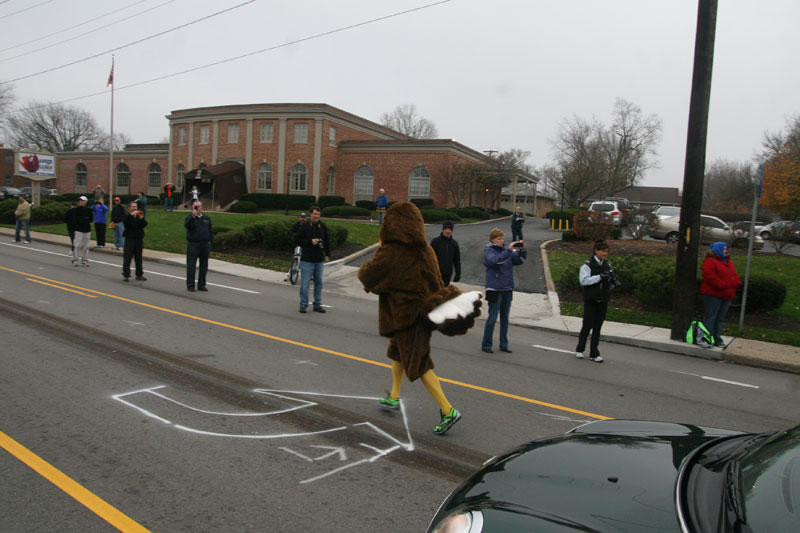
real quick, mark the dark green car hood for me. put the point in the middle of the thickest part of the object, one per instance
(616, 475)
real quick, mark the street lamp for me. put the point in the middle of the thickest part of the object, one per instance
(288, 177)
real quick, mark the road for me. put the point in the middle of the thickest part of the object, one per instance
(143, 405)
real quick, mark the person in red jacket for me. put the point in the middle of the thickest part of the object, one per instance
(718, 288)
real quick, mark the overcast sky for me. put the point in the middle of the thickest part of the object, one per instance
(492, 75)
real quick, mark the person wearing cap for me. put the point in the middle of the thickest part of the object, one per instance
(118, 223)
(296, 226)
(81, 219)
(169, 194)
(447, 253)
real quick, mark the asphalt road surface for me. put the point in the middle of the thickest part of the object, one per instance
(141, 406)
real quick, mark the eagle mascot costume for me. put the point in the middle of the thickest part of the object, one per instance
(412, 303)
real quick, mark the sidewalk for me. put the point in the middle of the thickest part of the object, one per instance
(538, 311)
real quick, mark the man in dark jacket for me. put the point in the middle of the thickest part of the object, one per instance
(596, 279)
(199, 236)
(447, 253)
(315, 249)
(81, 219)
(134, 223)
(118, 220)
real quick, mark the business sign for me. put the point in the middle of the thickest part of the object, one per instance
(29, 164)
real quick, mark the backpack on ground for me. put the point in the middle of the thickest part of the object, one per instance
(698, 334)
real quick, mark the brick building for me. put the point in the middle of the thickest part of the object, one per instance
(311, 149)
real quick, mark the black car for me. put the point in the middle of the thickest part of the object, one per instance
(9, 192)
(628, 475)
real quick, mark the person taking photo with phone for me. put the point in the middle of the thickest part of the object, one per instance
(500, 262)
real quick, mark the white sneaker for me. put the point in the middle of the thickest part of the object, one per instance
(579, 355)
(598, 359)
(27, 242)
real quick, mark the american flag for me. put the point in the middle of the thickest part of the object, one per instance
(111, 75)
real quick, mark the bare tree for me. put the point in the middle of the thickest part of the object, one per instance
(500, 172)
(6, 101)
(120, 141)
(457, 181)
(55, 128)
(404, 119)
(728, 186)
(579, 160)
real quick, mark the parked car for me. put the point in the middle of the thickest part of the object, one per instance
(786, 227)
(744, 225)
(610, 208)
(666, 211)
(712, 229)
(27, 192)
(633, 475)
(9, 192)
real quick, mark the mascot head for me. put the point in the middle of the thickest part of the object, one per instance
(403, 224)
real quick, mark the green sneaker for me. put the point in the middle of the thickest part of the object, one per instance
(387, 402)
(447, 421)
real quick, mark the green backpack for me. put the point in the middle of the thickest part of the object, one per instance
(698, 334)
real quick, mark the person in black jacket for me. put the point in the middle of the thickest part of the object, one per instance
(315, 249)
(199, 236)
(517, 220)
(447, 253)
(80, 218)
(69, 220)
(118, 220)
(134, 223)
(596, 278)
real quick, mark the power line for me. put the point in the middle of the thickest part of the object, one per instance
(26, 9)
(242, 56)
(82, 35)
(67, 29)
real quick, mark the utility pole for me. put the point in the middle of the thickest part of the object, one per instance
(684, 297)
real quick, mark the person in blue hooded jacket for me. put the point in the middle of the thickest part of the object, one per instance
(500, 262)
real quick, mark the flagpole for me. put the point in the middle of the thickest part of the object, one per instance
(111, 143)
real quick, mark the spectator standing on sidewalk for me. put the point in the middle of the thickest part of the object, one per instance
(69, 220)
(500, 262)
(134, 223)
(517, 220)
(381, 203)
(82, 217)
(199, 235)
(720, 281)
(447, 254)
(100, 208)
(22, 214)
(595, 277)
(315, 249)
(118, 223)
(169, 196)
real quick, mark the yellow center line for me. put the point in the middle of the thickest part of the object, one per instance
(62, 288)
(318, 348)
(91, 501)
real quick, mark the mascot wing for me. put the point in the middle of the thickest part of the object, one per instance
(456, 314)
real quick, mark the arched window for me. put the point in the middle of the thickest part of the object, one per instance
(419, 183)
(180, 176)
(297, 177)
(123, 175)
(80, 175)
(331, 180)
(154, 175)
(364, 180)
(264, 177)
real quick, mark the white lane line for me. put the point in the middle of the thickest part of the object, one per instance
(118, 266)
(551, 349)
(719, 380)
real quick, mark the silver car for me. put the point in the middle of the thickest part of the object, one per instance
(712, 230)
(610, 208)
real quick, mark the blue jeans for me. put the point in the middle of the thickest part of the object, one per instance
(168, 203)
(119, 229)
(308, 271)
(23, 224)
(502, 306)
(195, 251)
(715, 313)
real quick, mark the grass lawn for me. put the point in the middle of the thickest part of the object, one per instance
(780, 268)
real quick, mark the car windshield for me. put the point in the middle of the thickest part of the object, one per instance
(669, 211)
(770, 481)
(602, 207)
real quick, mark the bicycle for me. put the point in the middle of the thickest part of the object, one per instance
(294, 270)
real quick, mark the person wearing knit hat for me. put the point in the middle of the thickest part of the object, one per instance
(447, 253)
(720, 281)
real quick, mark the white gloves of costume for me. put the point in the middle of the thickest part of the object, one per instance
(459, 307)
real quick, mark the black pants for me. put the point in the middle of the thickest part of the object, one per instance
(516, 234)
(100, 231)
(133, 250)
(195, 251)
(594, 313)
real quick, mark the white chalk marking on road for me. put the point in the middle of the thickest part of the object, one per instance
(335, 450)
(719, 380)
(262, 436)
(305, 363)
(564, 418)
(135, 323)
(551, 349)
(298, 454)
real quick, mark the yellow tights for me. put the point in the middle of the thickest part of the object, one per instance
(430, 381)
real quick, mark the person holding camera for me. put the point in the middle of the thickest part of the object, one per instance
(134, 223)
(500, 262)
(597, 279)
(312, 238)
(199, 236)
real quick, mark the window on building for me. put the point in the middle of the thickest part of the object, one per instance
(180, 176)
(267, 131)
(233, 133)
(181, 136)
(123, 175)
(203, 135)
(419, 183)
(331, 180)
(9, 160)
(154, 175)
(364, 181)
(332, 135)
(9, 180)
(80, 175)
(264, 182)
(297, 177)
(301, 133)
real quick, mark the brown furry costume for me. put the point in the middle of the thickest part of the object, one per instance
(405, 275)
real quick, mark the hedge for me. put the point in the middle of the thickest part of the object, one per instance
(330, 200)
(367, 204)
(345, 211)
(439, 215)
(271, 234)
(422, 202)
(244, 206)
(470, 212)
(279, 201)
